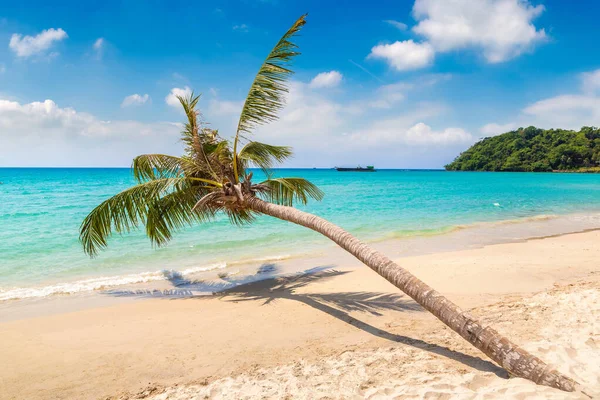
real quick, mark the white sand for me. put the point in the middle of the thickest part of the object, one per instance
(336, 334)
(562, 326)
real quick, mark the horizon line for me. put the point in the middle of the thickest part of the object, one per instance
(129, 167)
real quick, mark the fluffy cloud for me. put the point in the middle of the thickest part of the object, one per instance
(396, 24)
(591, 81)
(397, 131)
(326, 80)
(566, 111)
(172, 99)
(307, 113)
(570, 111)
(503, 29)
(51, 135)
(406, 55)
(422, 134)
(27, 46)
(325, 132)
(135, 100)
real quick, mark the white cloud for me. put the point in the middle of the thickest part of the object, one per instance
(422, 134)
(496, 129)
(591, 81)
(398, 131)
(241, 28)
(51, 135)
(503, 29)
(307, 113)
(326, 80)
(570, 111)
(172, 99)
(406, 55)
(396, 24)
(135, 100)
(325, 131)
(27, 46)
(565, 111)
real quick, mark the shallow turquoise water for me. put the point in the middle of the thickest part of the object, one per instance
(41, 209)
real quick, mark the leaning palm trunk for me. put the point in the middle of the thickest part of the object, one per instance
(511, 357)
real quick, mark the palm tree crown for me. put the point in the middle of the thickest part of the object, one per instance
(213, 174)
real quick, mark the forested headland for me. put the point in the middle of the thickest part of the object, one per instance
(534, 150)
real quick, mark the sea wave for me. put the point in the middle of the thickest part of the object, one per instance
(104, 282)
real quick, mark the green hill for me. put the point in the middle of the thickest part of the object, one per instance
(533, 149)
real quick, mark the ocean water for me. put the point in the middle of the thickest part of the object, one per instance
(41, 210)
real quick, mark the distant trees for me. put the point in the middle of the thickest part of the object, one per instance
(534, 150)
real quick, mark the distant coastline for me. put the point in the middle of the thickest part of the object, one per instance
(534, 150)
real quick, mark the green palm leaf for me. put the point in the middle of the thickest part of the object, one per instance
(285, 191)
(173, 212)
(154, 166)
(190, 128)
(125, 211)
(267, 93)
(264, 156)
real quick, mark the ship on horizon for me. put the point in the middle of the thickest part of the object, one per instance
(369, 168)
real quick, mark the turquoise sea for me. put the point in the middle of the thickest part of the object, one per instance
(41, 209)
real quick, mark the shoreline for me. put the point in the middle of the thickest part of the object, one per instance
(453, 238)
(336, 317)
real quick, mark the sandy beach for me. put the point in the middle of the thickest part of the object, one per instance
(339, 332)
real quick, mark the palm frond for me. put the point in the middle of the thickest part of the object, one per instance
(285, 191)
(240, 217)
(123, 212)
(153, 166)
(173, 212)
(196, 136)
(267, 93)
(190, 128)
(264, 156)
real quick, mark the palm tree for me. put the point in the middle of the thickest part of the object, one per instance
(214, 177)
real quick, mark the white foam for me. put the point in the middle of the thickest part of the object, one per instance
(262, 259)
(103, 282)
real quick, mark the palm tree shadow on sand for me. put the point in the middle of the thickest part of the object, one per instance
(338, 305)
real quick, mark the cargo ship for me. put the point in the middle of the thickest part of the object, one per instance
(369, 168)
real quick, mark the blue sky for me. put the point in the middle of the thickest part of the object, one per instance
(398, 84)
